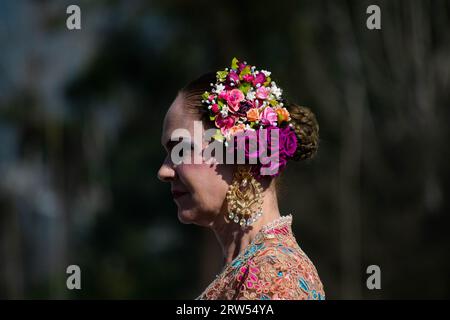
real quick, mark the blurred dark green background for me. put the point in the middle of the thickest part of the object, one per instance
(81, 115)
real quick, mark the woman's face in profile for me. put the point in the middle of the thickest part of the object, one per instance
(198, 189)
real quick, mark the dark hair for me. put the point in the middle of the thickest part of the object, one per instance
(302, 118)
(192, 94)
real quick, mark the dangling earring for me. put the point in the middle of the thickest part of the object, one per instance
(244, 197)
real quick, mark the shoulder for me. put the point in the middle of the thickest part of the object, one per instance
(280, 271)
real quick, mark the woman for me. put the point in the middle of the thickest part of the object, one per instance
(238, 200)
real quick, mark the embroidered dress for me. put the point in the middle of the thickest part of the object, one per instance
(273, 266)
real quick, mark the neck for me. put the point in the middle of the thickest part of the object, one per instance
(233, 239)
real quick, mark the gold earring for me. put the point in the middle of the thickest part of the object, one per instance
(244, 197)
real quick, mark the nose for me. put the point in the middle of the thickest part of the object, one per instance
(166, 173)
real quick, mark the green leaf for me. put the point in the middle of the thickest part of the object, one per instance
(205, 95)
(221, 75)
(279, 118)
(245, 71)
(234, 63)
(220, 103)
(268, 80)
(212, 118)
(218, 136)
(273, 103)
(245, 87)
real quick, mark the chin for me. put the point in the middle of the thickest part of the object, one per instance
(190, 216)
(184, 220)
(186, 216)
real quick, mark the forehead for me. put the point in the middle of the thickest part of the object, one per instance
(178, 117)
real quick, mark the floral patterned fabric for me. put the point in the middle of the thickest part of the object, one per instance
(273, 266)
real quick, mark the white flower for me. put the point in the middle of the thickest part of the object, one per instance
(275, 90)
(219, 88)
(266, 73)
(224, 111)
(227, 136)
(251, 95)
(247, 127)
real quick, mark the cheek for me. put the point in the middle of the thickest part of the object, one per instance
(204, 181)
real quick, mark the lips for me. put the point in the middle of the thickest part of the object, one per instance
(176, 194)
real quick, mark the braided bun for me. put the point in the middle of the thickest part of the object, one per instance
(307, 131)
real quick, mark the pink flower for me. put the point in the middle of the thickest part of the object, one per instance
(241, 65)
(288, 142)
(248, 78)
(235, 96)
(262, 93)
(223, 95)
(273, 159)
(224, 123)
(215, 108)
(260, 78)
(232, 77)
(268, 116)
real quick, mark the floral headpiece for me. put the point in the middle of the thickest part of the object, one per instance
(244, 98)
